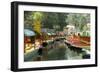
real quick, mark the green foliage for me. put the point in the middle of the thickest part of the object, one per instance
(54, 20)
(57, 21)
(28, 19)
(78, 20)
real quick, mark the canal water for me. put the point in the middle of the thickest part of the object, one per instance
(57, 50)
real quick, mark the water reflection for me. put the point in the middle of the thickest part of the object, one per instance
(58, 50)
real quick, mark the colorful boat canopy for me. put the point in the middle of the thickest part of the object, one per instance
(29, 32)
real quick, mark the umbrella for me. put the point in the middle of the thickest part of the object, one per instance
(28, 32)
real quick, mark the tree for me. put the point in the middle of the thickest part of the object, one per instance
(49, 20)
(37, 16)
(62, 20)
(28, 19)
(78, 20)
(54, 20)
(37, 26)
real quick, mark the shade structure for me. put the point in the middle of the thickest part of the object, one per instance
(28, 32)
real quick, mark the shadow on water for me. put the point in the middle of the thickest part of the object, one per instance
(58, 51)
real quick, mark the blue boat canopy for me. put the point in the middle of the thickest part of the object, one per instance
(28, 32)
